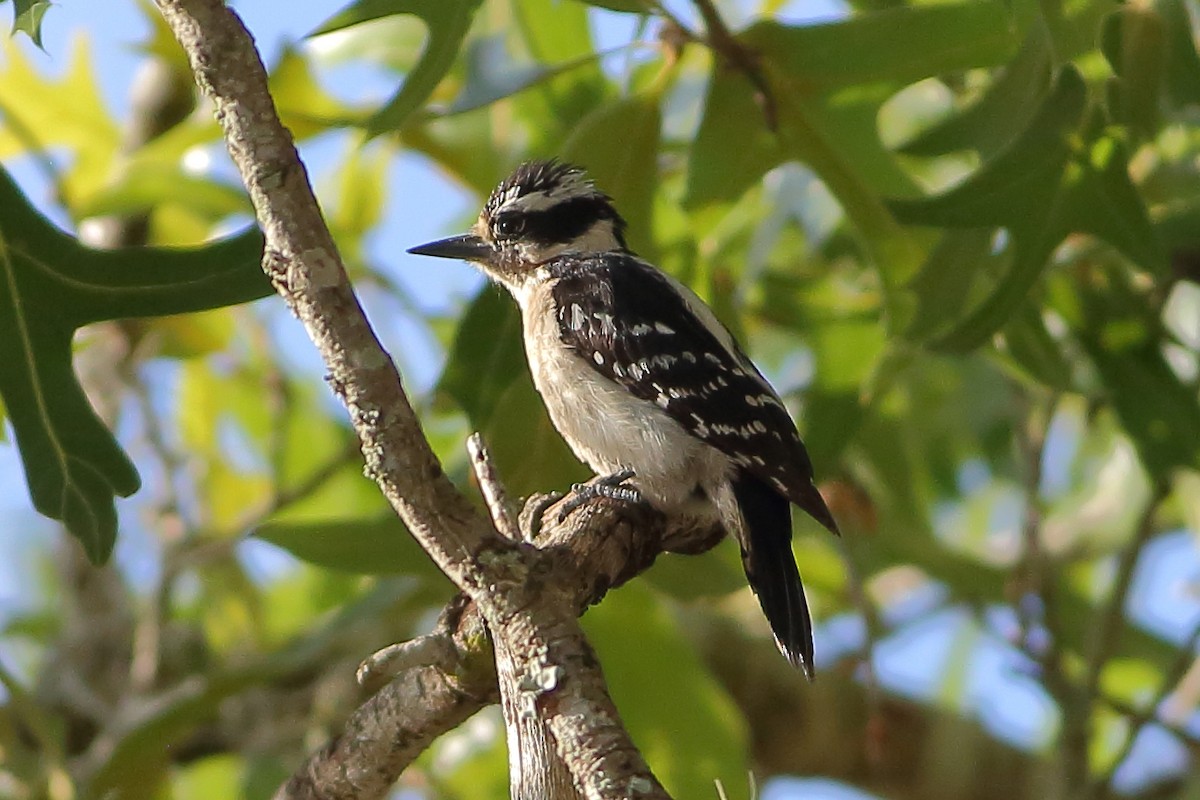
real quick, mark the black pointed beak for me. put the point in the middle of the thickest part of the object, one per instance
(468, 247)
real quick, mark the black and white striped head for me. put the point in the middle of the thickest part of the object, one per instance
(540, 211)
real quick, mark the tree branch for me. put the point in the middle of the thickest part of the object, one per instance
(513, 586)
(606, 543)
(535, 771)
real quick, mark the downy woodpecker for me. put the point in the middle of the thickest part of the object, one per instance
(644, 382)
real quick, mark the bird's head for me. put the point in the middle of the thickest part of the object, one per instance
(542, 210)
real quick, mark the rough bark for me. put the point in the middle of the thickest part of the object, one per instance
(525, 595)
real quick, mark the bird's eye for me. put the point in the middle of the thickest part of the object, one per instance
(508, 227)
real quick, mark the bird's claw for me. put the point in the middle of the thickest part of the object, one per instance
(609, 487)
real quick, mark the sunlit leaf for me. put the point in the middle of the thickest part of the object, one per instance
(303, 104)
(824, 107)
(893, 48)
(553, 32)
(493, 74)
(41, 113)
(447, 22)
(380, 546)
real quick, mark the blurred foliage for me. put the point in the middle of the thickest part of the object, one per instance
(962, 238)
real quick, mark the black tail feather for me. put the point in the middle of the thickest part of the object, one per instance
(771, 568)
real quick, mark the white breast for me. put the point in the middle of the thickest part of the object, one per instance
(607, 427)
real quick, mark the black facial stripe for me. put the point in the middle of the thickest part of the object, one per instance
(565, 221)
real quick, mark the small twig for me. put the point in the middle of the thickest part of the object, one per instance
(740, 57)
(1112, 619)
(494, 495)
(1143, 717)
(1032, 570)
(440, 649)
(673, 21)
(536, 771)
(435, 650)
(1139, 719)
(1077, 701)
(243, 528)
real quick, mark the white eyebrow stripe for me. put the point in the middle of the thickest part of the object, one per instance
(572, 186)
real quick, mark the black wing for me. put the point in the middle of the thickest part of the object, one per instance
(664, 353)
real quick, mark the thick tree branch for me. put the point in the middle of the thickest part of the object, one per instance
(535, 770)
(601, 538)
(512, 586)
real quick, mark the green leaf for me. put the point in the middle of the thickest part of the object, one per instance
(692, 577)
(1034, 350)
(50, 285)
(1183, 62)
(555, 32)
(146, 185)
(826, 106)
(304, 105)
(27, 18)
(486, 354)
(1134, 40)
(624, 6)
(892, 49)
(1120, 330)
(527, 449)
(1158, 410)
(901, 45)
(447, 22)
(1061, 176)
(493, 74)
(944, 282)
(380, 546)
(1002, 112)
(687, 727)
(625, 166)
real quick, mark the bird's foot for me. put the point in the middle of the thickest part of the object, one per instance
(533, 515)
(609, 487)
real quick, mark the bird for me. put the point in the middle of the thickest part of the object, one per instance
(644, 383)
